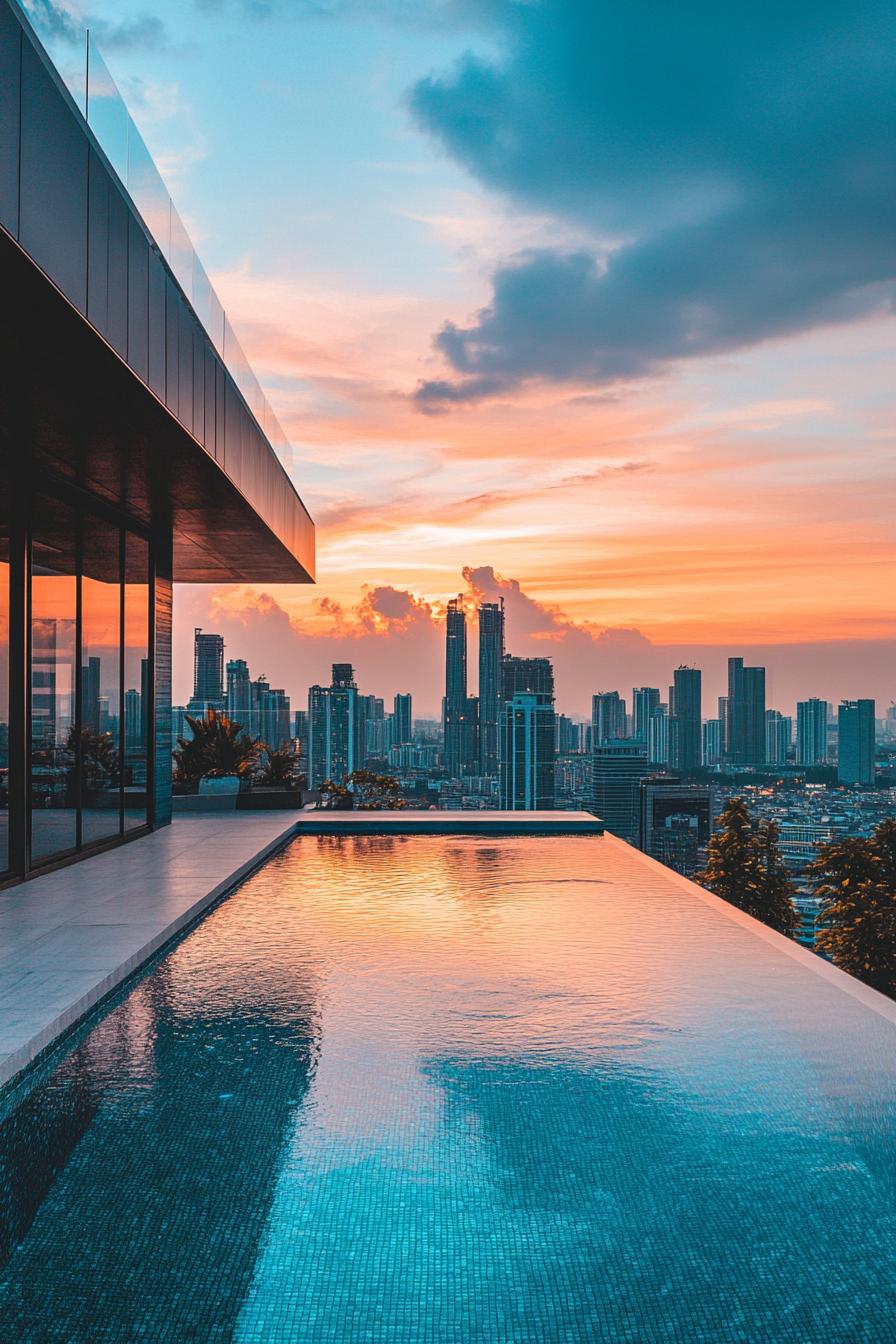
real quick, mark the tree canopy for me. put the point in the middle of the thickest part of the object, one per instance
(855, 879)
(744, 867)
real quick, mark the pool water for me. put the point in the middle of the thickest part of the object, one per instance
(460, 1089)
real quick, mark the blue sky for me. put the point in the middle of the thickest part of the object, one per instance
(598, 296)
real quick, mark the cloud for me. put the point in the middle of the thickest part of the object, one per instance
(395, 640)
(61, 21)
(735, 165)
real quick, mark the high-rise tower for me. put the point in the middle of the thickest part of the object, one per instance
(491, 656)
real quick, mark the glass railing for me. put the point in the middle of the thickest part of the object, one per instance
(80, 64)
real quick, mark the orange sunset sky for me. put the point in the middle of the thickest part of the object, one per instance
(537, 295)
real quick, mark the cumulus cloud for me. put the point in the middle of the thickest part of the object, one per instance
(396, 642)
(735, 165)
(62, 21)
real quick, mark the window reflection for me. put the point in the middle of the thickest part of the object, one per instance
(137, 681)
(53, 733)
(99, 740)
(4, 695)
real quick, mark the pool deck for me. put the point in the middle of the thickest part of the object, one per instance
(71, 937)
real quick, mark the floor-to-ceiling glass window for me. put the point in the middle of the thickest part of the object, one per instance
(4, 681)
(137, 700)
(54, 813)
(100, 704)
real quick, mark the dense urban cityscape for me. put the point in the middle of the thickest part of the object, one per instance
(653, 767)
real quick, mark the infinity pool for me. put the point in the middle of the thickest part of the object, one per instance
(460, 1089)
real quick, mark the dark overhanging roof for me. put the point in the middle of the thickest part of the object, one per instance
(112, 381)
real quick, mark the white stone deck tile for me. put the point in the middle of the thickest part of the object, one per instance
(70, 937)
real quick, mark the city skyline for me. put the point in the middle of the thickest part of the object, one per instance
(735, 497)
(410, 655)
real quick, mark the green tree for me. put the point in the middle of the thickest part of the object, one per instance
(375, 793)
(776, 890)
(218, 746)
(855, 879)
(280, 765)
(744, 867)
(333, 794)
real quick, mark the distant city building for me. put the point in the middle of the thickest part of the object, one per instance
(676, 821)
(711, 754)
(618, 768)
(526, 741)
(724, 724)
(778, 737)
(239, 694)
(133, 721)
(300, 733)
(402, 721)
(608, 722)
(658, 736)
(208, 672)
(855, 742)
(685, 709)
(812, 731)
(456, 711)
(333, 728)
(491, 658)
(566, 735)
(745, 714)
(645, 699)
(527, 752)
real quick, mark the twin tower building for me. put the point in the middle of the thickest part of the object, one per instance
(507, 731)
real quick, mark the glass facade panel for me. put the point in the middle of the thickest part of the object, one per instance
(4, 685)
(99, 740)
(53, 694)
(137, 681)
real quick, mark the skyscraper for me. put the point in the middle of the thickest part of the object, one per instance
(491, 657)
(855, 742)
(685, 706)
(607, 717)
(455, 703)
(333, 728)
(644, 701)
(402, 721)
(778, 737)
(527, 748)
(745, 714)
(617, 771)
(239, 695)
(676, 821)
(208, 672)
(712, 743)
(812, 731)
(658, 736)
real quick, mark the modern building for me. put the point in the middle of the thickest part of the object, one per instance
(491, 658)
(855, 742)
(566, 735)
(402, 721)
(658, 735)
(608, 723)
(137, 450)
(271, 712)
(617, 771)
(685, 709)
(745, 735)
(812, 731)
(527, 752)
(208, 672)
(711, 752)
(676, 821)
(778, 737)
(527, 737)
(645, 699)
(456, 711)
(334, 728)
(239, 695)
